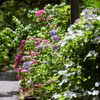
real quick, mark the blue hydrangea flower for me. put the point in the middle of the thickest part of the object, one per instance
(31, 68)
(27, 64)
(52, 32)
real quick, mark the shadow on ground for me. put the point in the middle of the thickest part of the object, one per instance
(9, 94)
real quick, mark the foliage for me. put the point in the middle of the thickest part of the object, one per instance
(32, 29)
(5, 44)
(55, 65)
(80, 48)
(10, 8)
(38, 54)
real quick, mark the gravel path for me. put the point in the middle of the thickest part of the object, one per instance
(9, 87)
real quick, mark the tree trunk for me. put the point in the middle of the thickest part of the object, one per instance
(74, 10)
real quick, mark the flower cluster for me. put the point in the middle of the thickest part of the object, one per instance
(40, 12)
(19, 56)
(27, 64)
(53, 32)
(55, 37)
(21, 46)
(18, 59)
(41, 19)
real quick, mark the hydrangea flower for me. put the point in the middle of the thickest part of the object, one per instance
(37, 43)
(48, 17)
(24, 71)
(34, 61)
(19, 77)
(30, 68)
(19, 69)
(25, 90)
(47, 45)
(25, 57)
(27, 64)
(40, 12)
(15, 67)
(55, 47)
(33, 54)
(52, 32)
(51, 80)
(38, 39)
(39, 47)
(23, 41)
(18, 59)
(45, 41)
(55, 37)
(41, 19)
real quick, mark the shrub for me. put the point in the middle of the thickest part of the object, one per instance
(80, 48)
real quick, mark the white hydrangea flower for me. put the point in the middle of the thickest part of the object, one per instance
(56, 96)
(89, 92)
(98, 18)
(95, 92)
(97, 84)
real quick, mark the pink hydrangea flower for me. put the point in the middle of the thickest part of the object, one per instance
(33, 54)
(19, 77)
(40, 12)
(43, 84)
(23, 41)
(18, 59)
(37, 43)
(25, 90)
(55, 47)
(38, 39)
(55, 38)
(25, 57)
(51, 80)
(39, 47)
(48, 16)
(47, 32)
(41, 19)
(34, 61)
(29, 38)
(26, 51)
(24, 71)
(19, 69)
(47, 45)
(37, 85)
(15, 67)
(45, 40)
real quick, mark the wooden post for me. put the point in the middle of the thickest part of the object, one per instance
(74, 10)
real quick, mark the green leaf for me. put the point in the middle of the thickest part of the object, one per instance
(97, 3)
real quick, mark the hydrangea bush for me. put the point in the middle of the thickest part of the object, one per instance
(52, 64)
(38, 54)
(41, 22)
(81, 49)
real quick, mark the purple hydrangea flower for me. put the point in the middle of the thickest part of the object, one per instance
(51, 80)
(52, 32)
(55, 38)
(31, 68)
(39, 47)
(55, 47)
(47, 45)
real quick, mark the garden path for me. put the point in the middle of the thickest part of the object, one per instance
(9, 87)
